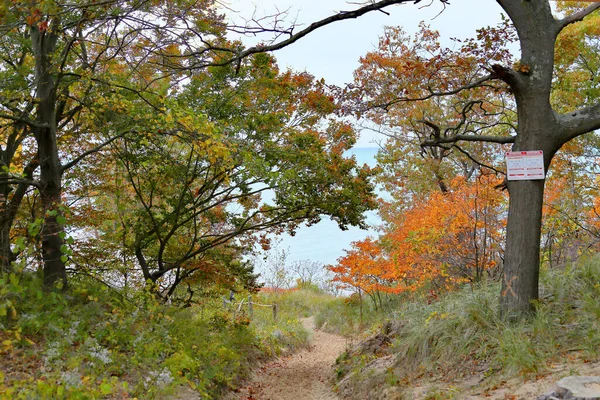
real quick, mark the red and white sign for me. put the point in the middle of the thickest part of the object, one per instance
(525, 165)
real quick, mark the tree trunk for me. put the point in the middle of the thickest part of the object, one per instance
(44, 45)
(52, 242)
(8, 211)
(5, 251)
(50, 194)
(522, 255)
(538, 129)
(6, 255)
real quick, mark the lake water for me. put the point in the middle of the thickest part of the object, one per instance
(325, 242)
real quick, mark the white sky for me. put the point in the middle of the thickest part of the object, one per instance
(333, 52)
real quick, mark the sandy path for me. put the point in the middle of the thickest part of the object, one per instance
(301, 376)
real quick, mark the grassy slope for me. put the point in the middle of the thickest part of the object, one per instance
(460, 338)
(93, 343)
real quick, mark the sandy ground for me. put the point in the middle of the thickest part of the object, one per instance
(305, 375)
(541, 385)
(478, 388)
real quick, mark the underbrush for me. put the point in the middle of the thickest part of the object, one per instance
(462, 335)
(93, 342)
(292, 306)
(343, 315)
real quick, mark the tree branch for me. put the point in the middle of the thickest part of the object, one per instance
(24, 120)
(576, 17)
(96, 149)
(579, 122)
(341, 16)
(21, 181)
(470, 157)
(469, 138)
(477, 83)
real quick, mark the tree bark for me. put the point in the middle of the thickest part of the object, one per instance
(522, 254)
(45, 132)
(537, 129)
(6, 254)
(9, 208)
(52, 242)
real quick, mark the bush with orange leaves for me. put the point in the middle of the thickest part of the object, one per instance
(442, 241)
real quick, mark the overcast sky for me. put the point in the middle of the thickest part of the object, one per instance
(333, 52)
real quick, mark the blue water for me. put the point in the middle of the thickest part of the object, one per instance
(325, 242)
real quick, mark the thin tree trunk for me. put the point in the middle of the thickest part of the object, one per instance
(6, 255)
(8, 213)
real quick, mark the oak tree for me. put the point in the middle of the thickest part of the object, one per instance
(539, 125)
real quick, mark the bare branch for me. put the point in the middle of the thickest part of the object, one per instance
(470, 157)
(475, 84)
(340, 16)
(96, 149)
(470, 138)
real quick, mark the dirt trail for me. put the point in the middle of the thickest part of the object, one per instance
(301, 376)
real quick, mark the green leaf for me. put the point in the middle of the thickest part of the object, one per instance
(20, 244)
(106, 388)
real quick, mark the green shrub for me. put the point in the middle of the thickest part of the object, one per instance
(94, 342)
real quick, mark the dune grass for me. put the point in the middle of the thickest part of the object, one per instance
(462, 334)
(92, 342)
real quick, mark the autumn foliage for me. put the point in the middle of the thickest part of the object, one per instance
(441, 241)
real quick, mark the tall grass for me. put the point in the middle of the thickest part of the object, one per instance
(462, 334)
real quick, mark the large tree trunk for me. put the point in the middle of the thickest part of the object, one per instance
(44, 45)
(50, 194)
(537, 130)
(52, 241)
(522, 255)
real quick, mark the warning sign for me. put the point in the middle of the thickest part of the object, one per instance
(525, 165)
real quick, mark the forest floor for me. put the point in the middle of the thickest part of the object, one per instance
(305, 375)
